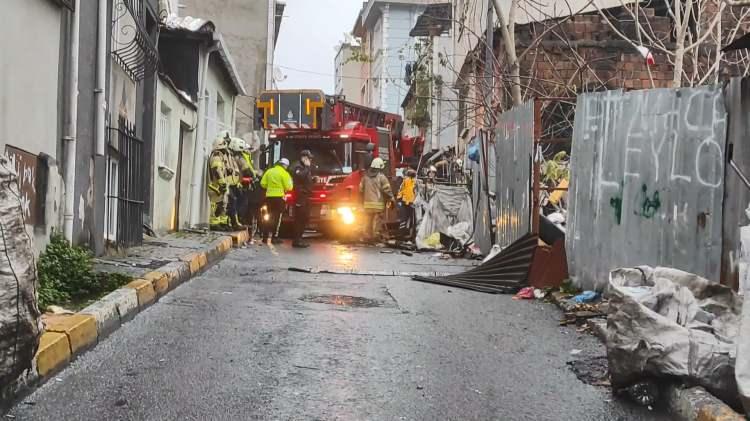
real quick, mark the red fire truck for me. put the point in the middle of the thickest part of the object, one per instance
(337, 133)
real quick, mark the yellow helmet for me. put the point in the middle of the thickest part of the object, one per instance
(378, 164)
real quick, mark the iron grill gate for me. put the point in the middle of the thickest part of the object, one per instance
(128, 203)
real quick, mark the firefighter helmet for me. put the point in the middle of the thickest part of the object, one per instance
(237, 144)
(378, 164)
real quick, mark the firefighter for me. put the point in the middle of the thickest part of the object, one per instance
(303, 184)
(242, 176)
(377, 192)
(277, 183)
(407, 195)
(254, 194)
(369, 156)
(218, 187)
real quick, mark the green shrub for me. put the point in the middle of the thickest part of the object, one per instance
(66, 275)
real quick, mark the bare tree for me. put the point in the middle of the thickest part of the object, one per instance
(700, 28)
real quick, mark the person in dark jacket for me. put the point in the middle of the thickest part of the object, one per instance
(369, 156)
(303, 185)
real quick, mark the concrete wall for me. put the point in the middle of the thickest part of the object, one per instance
(244, 25)
(31, 89)
(167, 150)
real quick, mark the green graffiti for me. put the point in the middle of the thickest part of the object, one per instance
(650, 205)
(616, 203)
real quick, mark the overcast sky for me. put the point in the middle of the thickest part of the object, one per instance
(309, 33)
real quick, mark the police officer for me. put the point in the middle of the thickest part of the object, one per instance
(277, 183)
(303, 185)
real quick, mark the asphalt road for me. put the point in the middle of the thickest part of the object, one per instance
(251, 340)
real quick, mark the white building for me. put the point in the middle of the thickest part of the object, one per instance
(197, 98)
(348, 71)
(383, 28)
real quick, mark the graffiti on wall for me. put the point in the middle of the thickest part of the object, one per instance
(647, 182)
(26, 166)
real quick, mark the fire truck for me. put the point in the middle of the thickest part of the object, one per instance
(337, 132)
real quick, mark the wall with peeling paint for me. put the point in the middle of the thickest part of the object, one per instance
(647, 182)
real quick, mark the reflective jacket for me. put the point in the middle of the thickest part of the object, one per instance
(407, 192)
(277, 182)
(376, 189)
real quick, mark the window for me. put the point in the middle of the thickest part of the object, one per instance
(111, 202)
(162, 141)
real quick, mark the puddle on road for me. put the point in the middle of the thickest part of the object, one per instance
(343, 300)
(593, 370)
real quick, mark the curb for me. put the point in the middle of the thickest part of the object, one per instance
(688, 404)
(68, 336)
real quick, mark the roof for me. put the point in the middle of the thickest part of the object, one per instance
(207, 30)
(436, 20)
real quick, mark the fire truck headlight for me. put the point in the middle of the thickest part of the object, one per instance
(347, 215)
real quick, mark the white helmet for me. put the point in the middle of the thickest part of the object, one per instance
(237, 144)
(378, 164)
(284, 162)
(459, 163)
(432, 169)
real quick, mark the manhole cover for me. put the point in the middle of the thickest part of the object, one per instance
(342, 300)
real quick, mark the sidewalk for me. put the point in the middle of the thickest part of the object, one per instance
(157, 267)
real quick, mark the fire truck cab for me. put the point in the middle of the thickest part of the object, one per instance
(337, 132)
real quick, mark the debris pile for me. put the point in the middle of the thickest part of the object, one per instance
(668, 324)
(447, 221)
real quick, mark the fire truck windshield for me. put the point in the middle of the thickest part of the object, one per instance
(327, 156)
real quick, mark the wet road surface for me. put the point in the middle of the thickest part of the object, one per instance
(251, 340)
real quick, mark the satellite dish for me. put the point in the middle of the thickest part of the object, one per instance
(278, 75)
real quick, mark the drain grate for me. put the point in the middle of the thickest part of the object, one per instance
(343, 300)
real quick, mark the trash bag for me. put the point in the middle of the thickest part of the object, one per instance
(20, 321)
(448, 208)
(666, 323)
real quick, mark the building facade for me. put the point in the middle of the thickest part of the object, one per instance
(383, 30)
(31, 110)
(347, 71)
(250, 29)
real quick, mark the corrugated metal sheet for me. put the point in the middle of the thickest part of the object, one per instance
(514, 145)
(507, 272)
(737, 195)
(480, 199)
(647, 182)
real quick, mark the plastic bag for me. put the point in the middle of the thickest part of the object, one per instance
(668, 323)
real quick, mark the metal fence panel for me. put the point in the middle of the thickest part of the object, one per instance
(737, 194)
(647, 182)
(480, 199)
(514, 144)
